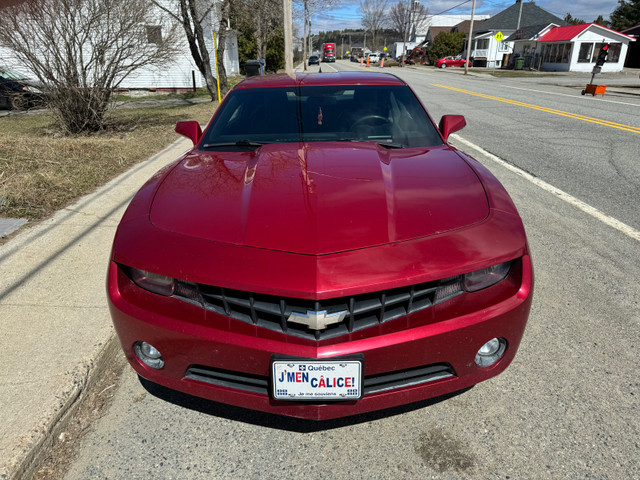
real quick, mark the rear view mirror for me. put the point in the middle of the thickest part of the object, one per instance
(190, 129)
(450, 124)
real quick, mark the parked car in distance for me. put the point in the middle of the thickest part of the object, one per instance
(321, 252)
(374, 58)
(18, 92)
(314, 60)
(451, 62)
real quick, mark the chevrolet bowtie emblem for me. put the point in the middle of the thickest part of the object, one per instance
(317, 320)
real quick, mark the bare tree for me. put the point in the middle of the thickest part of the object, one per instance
(195, 18)
(82, 49)
(374, 16)
(406, 17)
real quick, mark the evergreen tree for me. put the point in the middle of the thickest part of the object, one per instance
(446, 44)
(601, 21)
(626, 15)
(569, 20)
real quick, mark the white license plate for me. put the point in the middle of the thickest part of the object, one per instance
(317, 379)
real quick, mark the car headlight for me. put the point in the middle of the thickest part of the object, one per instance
(486, 277)
(152, 282)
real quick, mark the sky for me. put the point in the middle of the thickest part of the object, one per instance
(347, 15)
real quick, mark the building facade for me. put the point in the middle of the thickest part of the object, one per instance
(572, 48)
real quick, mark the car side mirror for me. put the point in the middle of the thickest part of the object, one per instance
(190, 129)
(450, 124)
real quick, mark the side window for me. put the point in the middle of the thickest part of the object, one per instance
(154, 34)
(584, 55)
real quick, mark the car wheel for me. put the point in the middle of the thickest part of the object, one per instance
(444, 65)
(18, 102)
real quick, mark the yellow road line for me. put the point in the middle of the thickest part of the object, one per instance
(576, 116)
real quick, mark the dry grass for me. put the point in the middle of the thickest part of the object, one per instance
(42, 171)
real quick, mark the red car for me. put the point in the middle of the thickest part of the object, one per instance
(320, 252)
(451, 62)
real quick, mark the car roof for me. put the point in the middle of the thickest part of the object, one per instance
(319, 79)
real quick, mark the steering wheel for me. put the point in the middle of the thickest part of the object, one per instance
(373, 119)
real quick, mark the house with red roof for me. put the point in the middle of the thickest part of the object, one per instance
(571, 48)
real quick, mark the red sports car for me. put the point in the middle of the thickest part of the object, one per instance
(451, 62)
(321, 252)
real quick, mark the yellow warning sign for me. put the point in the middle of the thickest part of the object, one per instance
(498, 36)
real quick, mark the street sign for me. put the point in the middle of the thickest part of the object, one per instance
(385, 49)
(498, 36)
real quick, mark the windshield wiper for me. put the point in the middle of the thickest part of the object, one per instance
(390, 145)
(382, 144)
(239, 143)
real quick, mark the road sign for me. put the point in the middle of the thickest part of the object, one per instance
(498, 36)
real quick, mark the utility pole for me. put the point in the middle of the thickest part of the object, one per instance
(305, 52)
(519, 15)
(470, 39)
(288, 38)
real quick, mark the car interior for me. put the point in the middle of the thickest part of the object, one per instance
(388, 115)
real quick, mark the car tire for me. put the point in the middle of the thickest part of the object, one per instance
(18, 102)
(444, 65)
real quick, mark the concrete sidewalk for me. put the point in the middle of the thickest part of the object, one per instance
(55, 324)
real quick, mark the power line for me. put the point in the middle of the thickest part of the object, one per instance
(452, 8)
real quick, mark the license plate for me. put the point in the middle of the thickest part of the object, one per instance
(295, 379)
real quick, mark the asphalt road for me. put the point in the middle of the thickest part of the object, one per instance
(568, 405)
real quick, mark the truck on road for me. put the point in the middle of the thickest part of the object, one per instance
(328, 52)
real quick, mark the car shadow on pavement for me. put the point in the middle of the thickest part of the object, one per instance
(269, 420)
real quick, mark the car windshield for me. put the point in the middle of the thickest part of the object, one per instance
(10, 75)
(390, 115)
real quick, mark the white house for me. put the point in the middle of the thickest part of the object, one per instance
(443, 21)
(575, 48)
(487, 50)
(180, 73)
(422, 30)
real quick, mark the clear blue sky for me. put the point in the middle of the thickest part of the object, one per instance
(347, 14)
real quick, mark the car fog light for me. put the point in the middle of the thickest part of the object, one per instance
(149, 355)
(491, 352)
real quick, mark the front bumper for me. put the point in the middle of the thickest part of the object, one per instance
(201, 347)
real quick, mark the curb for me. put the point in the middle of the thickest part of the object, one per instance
(49, 416)
(86, 378)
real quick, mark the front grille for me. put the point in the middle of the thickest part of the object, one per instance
(359, 311)
(226, 378)
(371, 384)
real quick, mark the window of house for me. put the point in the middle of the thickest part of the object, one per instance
(596, 52)
(556, 53)
(483, 44)
(154, 34)
(503, 47)
(584, 55)
(558, 57)
(614, 52)
(567, 52)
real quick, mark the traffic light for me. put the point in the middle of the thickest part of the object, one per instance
(602, 56)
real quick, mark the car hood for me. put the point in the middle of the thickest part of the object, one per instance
(319, 198)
